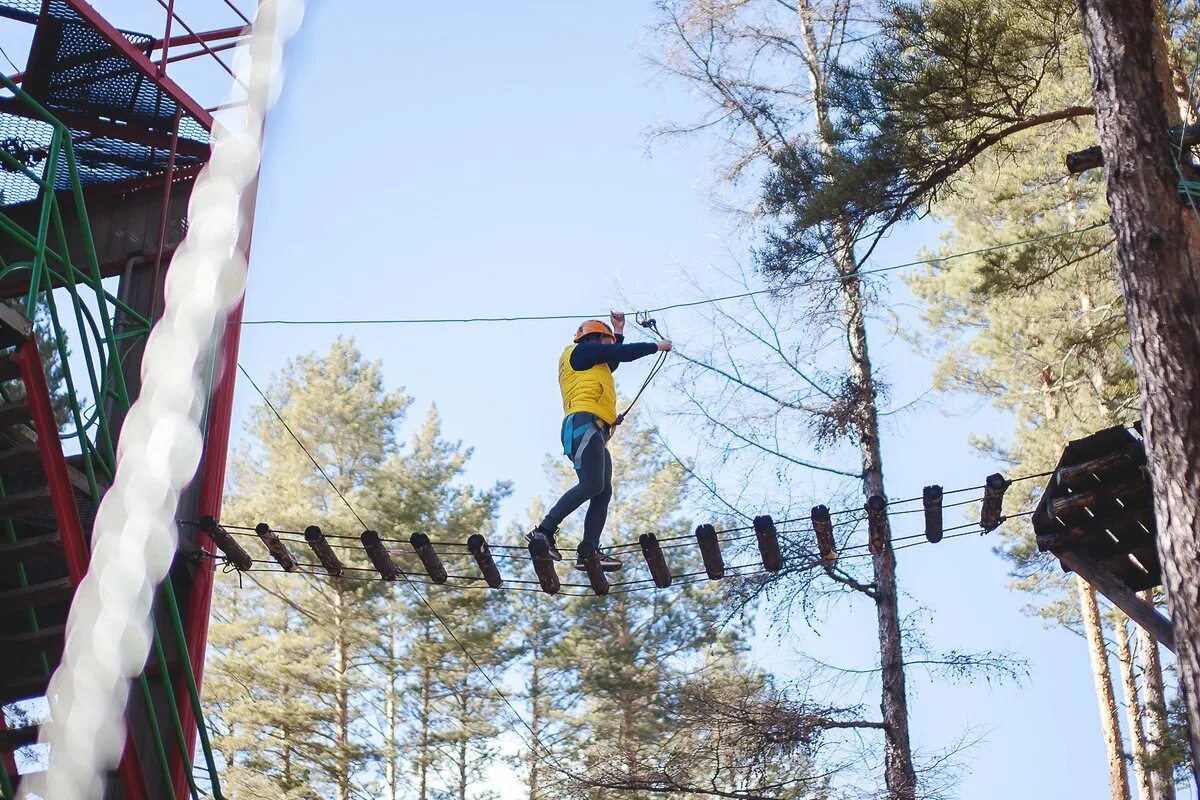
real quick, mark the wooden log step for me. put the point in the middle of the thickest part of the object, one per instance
(33, 547)
(26, 687)
(36, 594)
(23, 503)
(30, 643)
(18, 737)
(12, 414)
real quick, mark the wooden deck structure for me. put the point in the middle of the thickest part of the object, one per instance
(1097, 516)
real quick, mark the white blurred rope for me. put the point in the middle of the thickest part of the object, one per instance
(134, 539)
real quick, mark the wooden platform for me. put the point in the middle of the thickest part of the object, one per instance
(1097, 516)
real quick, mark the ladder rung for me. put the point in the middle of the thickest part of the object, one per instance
(36, 594)
(18, 645)
(12, 414)
(33, 547)
(19, 457)
(25, 687)
(22, 503)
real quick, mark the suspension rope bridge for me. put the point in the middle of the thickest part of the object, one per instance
(332, 553)
(706, 539)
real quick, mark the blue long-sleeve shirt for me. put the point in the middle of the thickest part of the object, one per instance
(588, 354)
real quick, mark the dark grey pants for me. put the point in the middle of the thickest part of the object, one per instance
(595, 485)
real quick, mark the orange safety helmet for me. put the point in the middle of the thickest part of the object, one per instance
(592, 326)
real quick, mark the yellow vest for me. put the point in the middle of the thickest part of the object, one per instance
(592, 390)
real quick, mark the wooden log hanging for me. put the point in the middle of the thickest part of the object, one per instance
(429, 557)
(823, 526)
(543, 564)
(710, 551)
(931, 499)
(655, 560)
(320, 546)
(379, 556)
(226, 544)
(991, 513)
(594, 569)
(877, 524)
(483, 557)
(768, 543)
(278, 550)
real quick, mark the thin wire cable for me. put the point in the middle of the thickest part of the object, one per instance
(296, 438)
(671, 306)
(9, 60)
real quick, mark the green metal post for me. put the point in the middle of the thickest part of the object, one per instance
(161, 657)
(39, 252)
(94, 263)
(190, 678)
(155, 733)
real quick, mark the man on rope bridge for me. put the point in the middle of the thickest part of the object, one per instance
(589, 395)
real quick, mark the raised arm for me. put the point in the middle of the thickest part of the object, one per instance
(589, 354)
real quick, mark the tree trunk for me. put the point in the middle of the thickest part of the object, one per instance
(342, 758)
(1110, 726)
(391, 716)
(1155, 700)
(899, 773)
(1162, 299)
(464, 721)
(1133, 708)
(423, 758)
(535, 719)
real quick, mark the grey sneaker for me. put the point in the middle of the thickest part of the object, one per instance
(555, 555)
(607, 563)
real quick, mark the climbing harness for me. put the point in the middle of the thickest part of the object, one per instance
(647, 322)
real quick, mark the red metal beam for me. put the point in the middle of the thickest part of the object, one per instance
(54, 463)
(217, 35)
(166, 47)
(66, 512)
(143, 64)
(169, 6)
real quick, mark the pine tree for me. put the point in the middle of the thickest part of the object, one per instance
(450, 718)
(326, 660)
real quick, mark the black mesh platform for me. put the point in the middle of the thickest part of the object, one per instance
(73, 68)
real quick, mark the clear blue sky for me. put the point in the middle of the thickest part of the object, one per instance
(477, 159)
